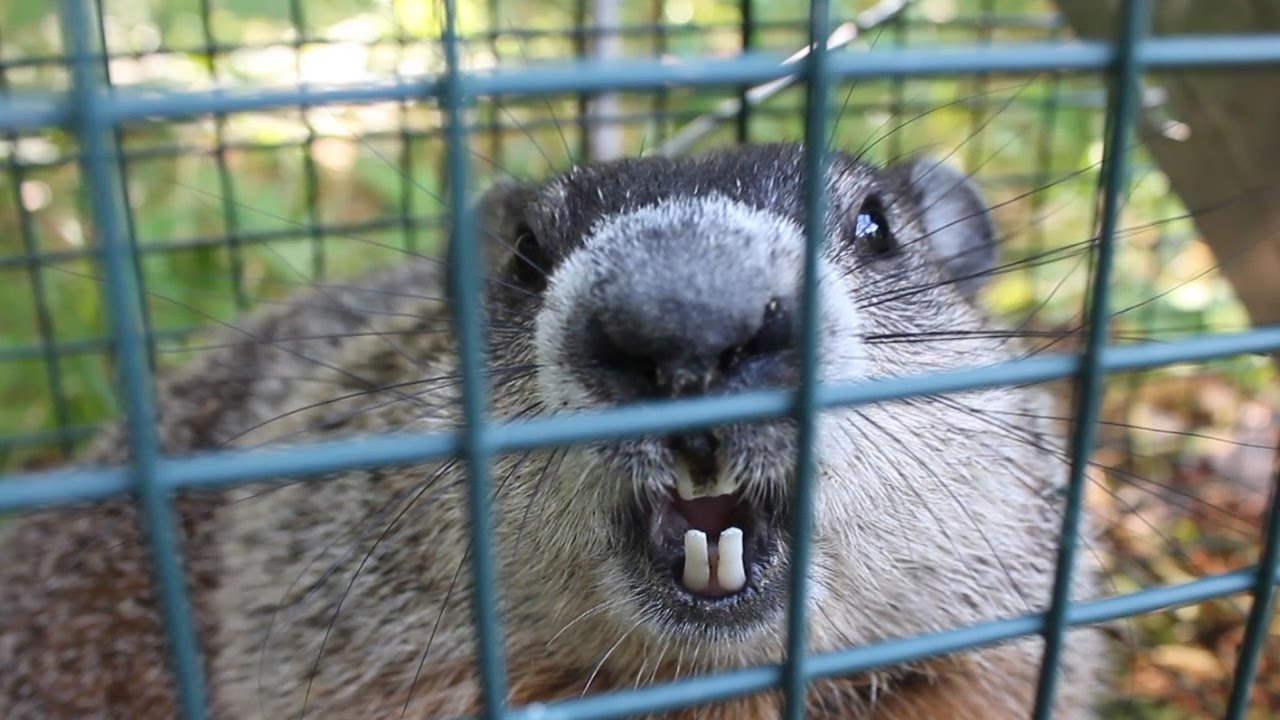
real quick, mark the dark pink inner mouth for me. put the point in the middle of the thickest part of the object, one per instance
(711, 515)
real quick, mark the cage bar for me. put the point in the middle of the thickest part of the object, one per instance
(1135, 16)
(466, 272)
(120, 293)
(844, 662)
(44, 110)
(232, 467)
(818, 81)
(1262, 613)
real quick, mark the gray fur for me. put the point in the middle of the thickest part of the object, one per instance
(327, 592)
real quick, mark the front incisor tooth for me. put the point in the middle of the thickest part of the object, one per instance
(684, 485)
(697, 565)
(688, 490)
(730, 572)
(725, 485)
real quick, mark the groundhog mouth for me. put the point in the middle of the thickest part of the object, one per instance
(713, 550)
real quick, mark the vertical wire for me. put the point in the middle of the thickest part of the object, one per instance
(898, 90)
(464, 275)
(747, 31)
(493, 104)
(408, 219)
(148, 326)
(120, 295)
(661, 96)
(979, 110)
(310, 175)
(1262, 612)
(35, 277)
(1049, 118)
(230, 215)
(1089, 388)
(794, 679)
(581, 44)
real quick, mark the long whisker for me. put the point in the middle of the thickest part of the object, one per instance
(594, 609)
(453, 583)
(599, 665)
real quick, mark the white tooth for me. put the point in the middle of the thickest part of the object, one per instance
(730, 573)
(684, 484)
(725, 485)
(697, 566)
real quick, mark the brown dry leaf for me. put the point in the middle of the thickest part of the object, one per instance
(1150, 681)
(1218, 397)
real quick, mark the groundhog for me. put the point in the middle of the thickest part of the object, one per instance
(621, 563)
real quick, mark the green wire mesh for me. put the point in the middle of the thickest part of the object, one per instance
(64, 127)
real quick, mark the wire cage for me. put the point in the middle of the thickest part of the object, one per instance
(226, 163)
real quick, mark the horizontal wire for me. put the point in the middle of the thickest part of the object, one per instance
(36, 110)
(234, 467)
(720, 686)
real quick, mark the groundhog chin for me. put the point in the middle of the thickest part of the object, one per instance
(701, 565)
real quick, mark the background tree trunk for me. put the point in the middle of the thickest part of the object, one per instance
(1227, 168)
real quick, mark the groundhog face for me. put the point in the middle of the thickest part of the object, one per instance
(652, 279)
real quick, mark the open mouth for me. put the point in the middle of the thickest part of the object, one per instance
(714, 547)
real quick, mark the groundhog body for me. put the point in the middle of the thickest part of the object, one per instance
(349, 596)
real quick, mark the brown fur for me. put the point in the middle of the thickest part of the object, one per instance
(1003, 689)
(80, 628)
(91, 640)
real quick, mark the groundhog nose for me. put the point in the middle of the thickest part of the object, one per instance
(677, 351)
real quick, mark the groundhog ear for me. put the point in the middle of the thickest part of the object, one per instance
(498, 213)
(959, 232)
(495, 217)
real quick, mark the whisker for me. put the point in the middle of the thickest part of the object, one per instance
(453, 583)
(597, 608)
(324, 577)
(1034, 440)
(432, 384)
(600, 664)
(899, 446)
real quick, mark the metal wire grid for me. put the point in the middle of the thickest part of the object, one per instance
(229, 218)
(54, 348)
(96, 113)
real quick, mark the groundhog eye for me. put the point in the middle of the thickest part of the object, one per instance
(871, 230)
(529, 261)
